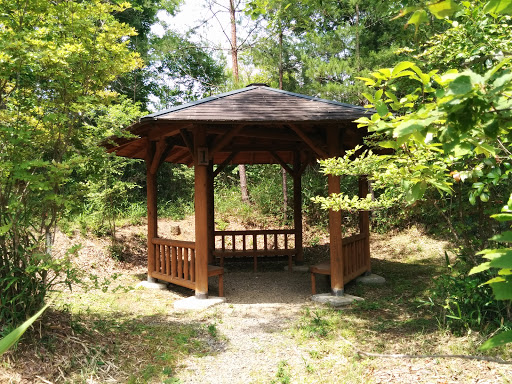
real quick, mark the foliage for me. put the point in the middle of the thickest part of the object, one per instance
(56, 64)
(326, 44)
(448, 128)
(11, 339)
(501, 285)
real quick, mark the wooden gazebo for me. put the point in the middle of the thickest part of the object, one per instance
(252, 125)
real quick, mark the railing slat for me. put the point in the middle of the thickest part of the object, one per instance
(180, 263)
(185, 263)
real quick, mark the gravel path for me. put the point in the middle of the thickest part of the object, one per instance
(252, 328)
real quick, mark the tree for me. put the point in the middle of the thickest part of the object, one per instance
(58, 60)
(452, 127)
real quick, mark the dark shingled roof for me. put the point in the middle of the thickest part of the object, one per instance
(261, 103)
(247, 126)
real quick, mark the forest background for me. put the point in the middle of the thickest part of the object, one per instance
(73, 74)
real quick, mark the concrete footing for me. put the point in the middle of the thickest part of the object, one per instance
(335, 301)
(371, 279)
(151, 285)
(193, 303)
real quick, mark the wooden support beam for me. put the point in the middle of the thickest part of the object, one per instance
(221, 142)
(335, 221)
(364, 222)
(157, 157)
(283, 164)
(211, 214)
(188, 142)
(297, 208)
(201, 218)
(314, 146)
(223, 165)
(151, 188)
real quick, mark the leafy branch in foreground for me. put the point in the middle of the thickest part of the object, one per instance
(501, 259)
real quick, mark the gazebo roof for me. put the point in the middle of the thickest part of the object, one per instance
(247, 125)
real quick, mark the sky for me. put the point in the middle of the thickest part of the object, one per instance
(192, 15)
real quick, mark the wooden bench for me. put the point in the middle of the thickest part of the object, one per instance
(214, 270)
(254, 244)
(322, 269)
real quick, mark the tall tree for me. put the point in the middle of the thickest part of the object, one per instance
(234, 59)
(58, 61)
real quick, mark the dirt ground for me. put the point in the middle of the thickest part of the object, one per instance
(268, 331)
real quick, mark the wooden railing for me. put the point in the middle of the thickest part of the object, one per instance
(254, 243)
(175, 262)
(356, 257)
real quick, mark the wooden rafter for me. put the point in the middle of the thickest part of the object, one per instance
(221, 166)
(283, 164)
(225, 139)
(156, 160)
(314, 146)
(188, 141)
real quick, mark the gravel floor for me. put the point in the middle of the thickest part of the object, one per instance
(259, 307)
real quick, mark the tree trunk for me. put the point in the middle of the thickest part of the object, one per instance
(283, 171)
(234, 48)
(234, 60)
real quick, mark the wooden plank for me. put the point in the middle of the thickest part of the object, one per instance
(174, 261)
(175, 280)
(192, 265)
(254, 232)
(174, 243)
(180, 262)
(168, 260)
(185, 264)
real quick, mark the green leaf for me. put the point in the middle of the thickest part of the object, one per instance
(480, 268)
(401, 67)
(498, 340)
(503, 7)
(382, 108)
(418, 17)
(4, 229)
(443, 8)
(502, 216)
(461, 85)
(505, 237)
(9, 340)
(502, 290)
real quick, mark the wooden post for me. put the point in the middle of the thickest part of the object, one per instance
(297, 208)
(335, 220)
(201, 216)
(211, 213)
(364, 223)
(151, 189)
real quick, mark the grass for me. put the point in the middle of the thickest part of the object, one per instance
(132, 335)
(94, 336)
